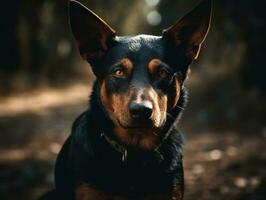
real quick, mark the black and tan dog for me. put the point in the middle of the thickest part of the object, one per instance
(127, 145)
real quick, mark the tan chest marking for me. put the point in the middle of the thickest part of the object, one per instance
(84, 191)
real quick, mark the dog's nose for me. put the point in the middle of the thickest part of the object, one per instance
(141, 110)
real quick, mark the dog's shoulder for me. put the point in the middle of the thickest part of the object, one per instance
(77, 144)
(81, 138)
(80, 127)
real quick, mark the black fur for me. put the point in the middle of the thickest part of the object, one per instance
(86, 156)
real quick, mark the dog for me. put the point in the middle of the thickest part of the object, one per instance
(127, 146)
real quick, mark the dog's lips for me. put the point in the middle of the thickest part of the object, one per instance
(135, 127)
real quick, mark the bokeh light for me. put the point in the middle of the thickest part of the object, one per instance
(154, 18)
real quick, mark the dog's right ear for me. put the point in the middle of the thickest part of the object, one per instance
(93, 35)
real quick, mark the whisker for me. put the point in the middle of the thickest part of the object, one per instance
(170, 116)
(180, 107)
(156, 134)
(159, 153)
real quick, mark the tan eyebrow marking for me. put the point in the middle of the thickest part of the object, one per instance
(155, 63)
(127, 63)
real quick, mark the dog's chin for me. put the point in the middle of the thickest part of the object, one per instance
(137, 128)
(138, 125)
(145, 137)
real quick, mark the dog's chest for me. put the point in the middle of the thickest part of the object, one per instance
(116, 182)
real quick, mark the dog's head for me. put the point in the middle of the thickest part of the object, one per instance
(141, 77)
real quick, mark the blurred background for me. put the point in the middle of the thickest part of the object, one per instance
(44, 85)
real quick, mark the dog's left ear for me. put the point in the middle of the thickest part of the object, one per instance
(191, 30)
(93, 35)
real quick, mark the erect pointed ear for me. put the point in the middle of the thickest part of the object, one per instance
(191, 30)
(93, 36)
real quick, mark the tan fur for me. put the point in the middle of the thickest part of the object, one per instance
(117, 107)
(84, 191)
(154, 64)
(127, 63)
(142, 138)
(172, 99)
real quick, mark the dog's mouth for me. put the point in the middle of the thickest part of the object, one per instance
(136, 126)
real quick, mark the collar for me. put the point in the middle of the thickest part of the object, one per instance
(124, 151)
(118, 147)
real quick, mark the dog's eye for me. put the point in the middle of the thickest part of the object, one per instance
(163, 73)
(119, 73)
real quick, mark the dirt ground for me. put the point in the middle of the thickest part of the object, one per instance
(219, 165)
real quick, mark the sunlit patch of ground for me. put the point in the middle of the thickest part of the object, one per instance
(42, 100)
(226, 165)
(218, 165)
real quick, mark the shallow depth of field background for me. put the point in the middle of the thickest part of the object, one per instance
(44, 85)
